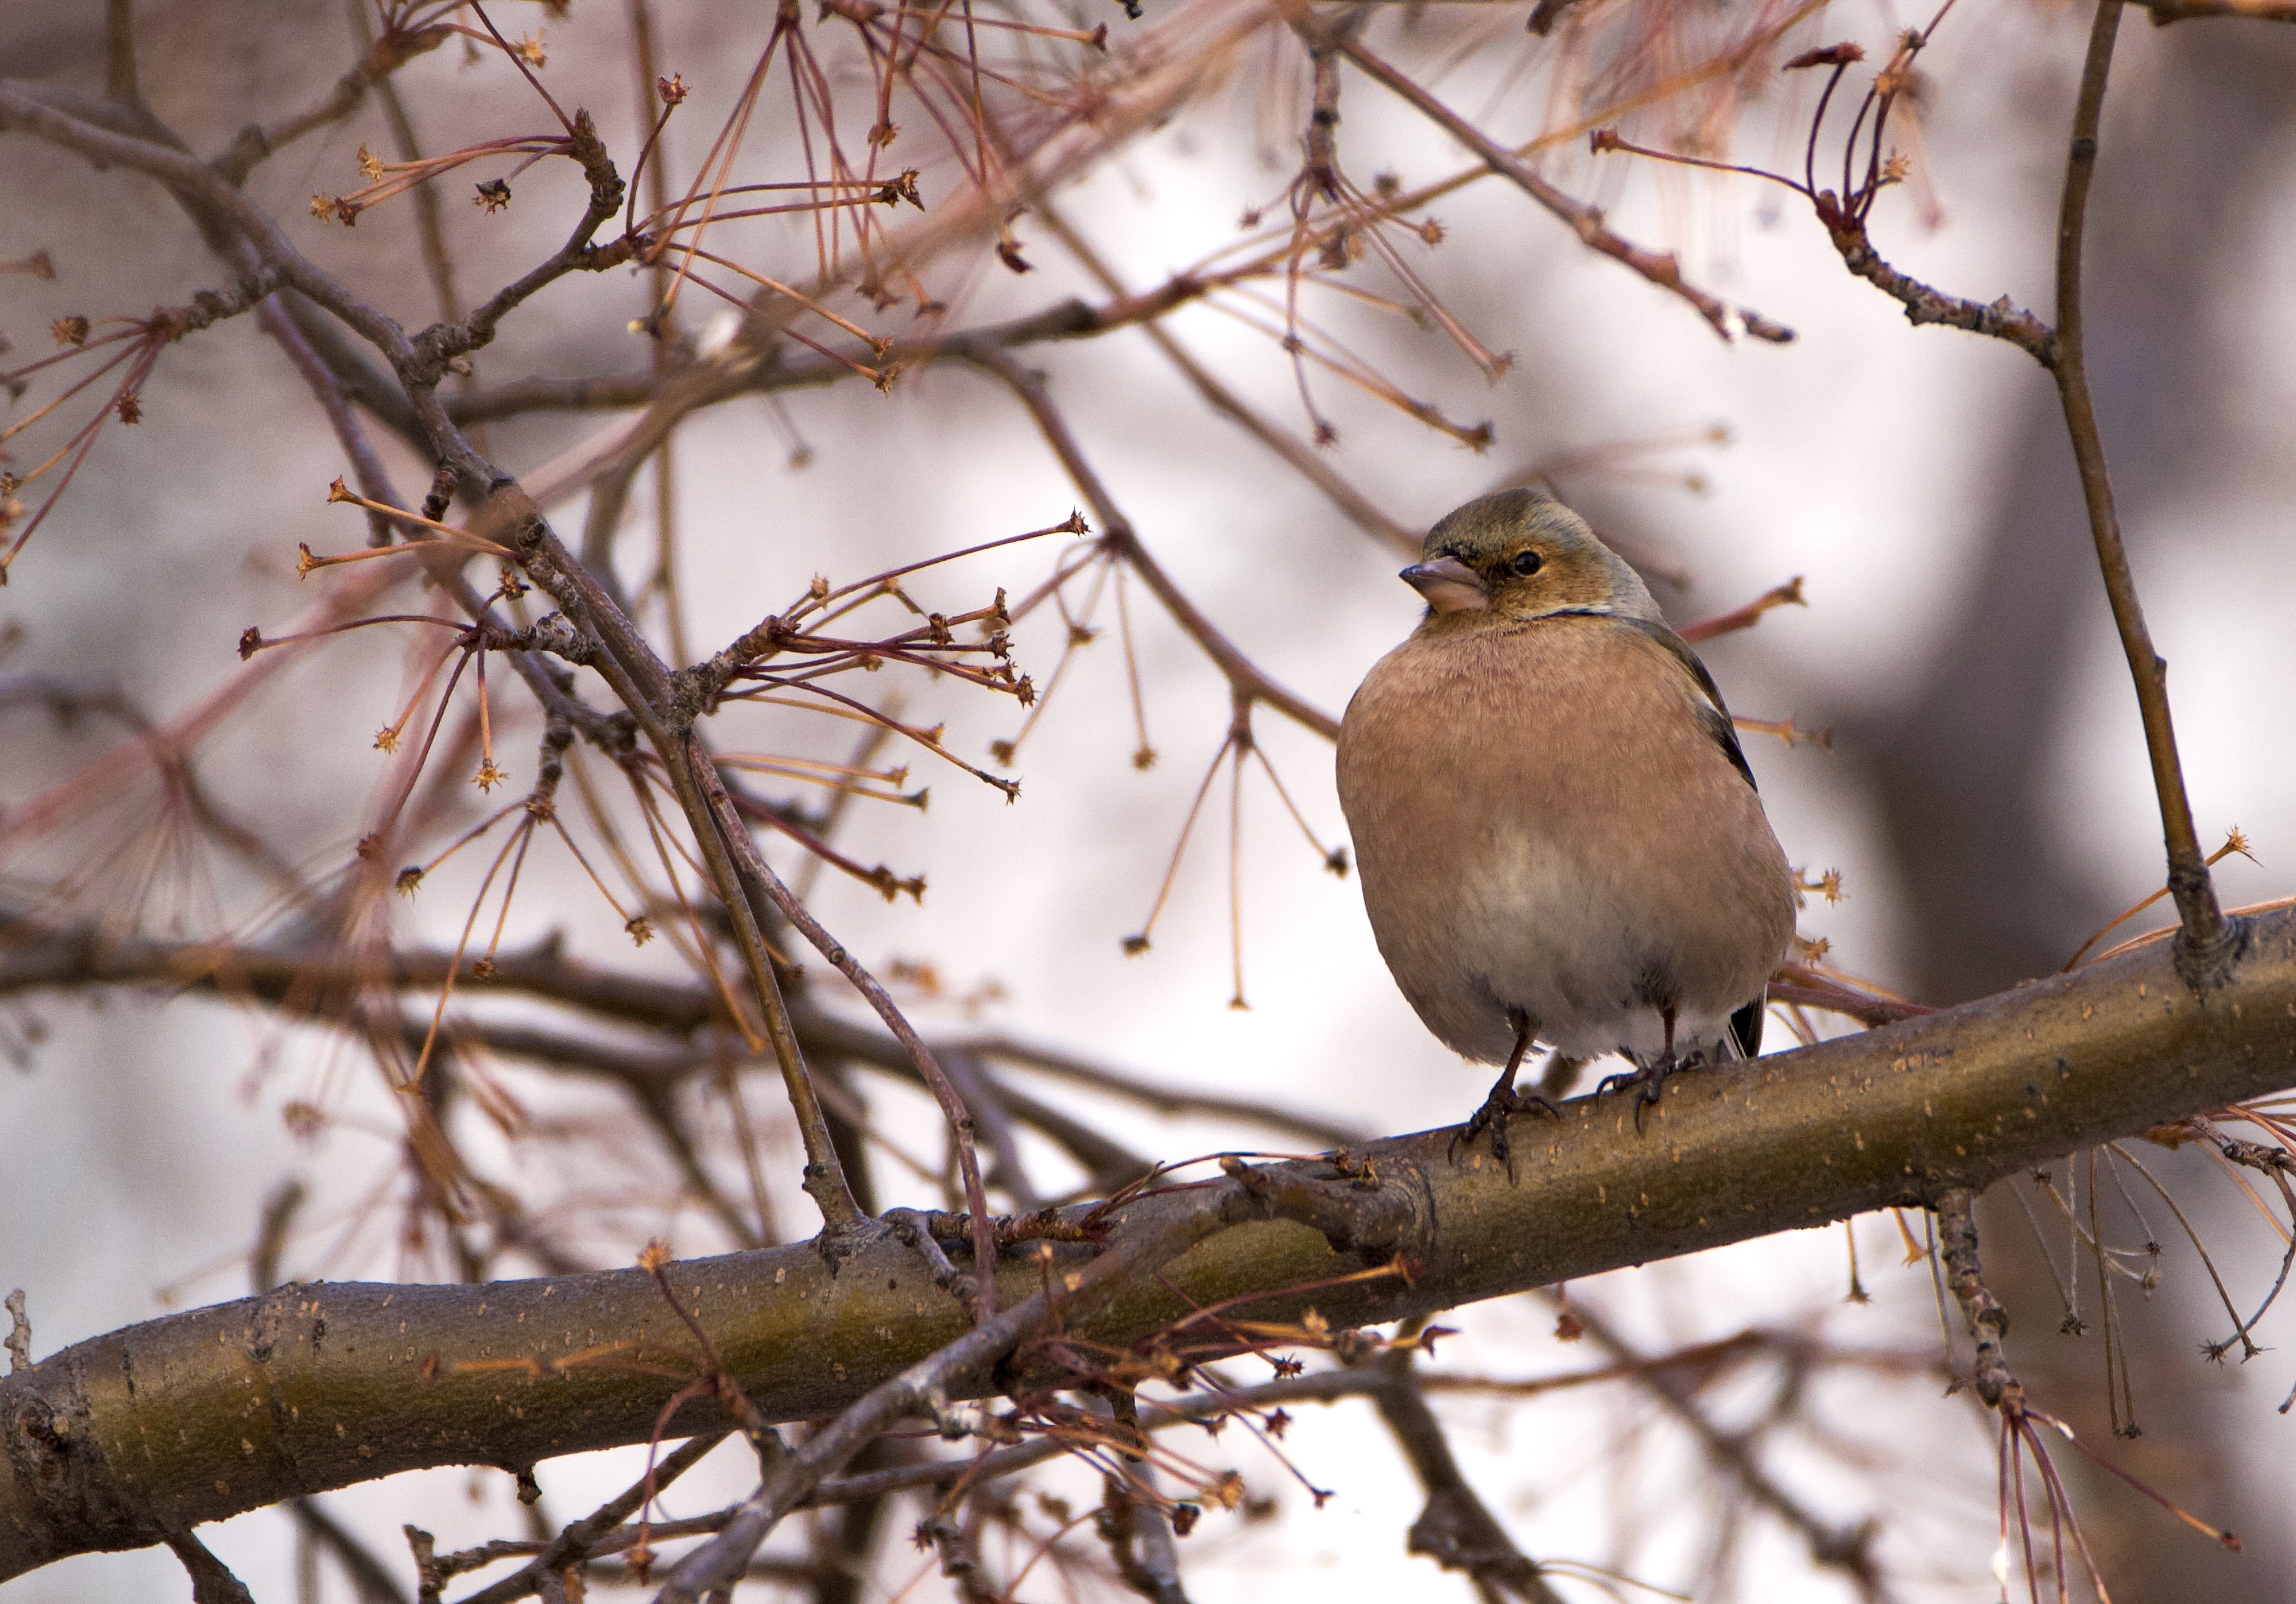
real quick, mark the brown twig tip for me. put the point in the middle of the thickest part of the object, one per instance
(1826, 55)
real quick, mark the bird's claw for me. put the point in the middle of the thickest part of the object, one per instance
(1649, 1081)
(1493, 1116)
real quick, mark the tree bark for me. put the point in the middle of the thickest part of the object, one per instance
(119, 1440)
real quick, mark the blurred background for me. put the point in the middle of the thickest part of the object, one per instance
(1984, 795)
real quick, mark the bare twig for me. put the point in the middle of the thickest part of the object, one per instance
(571, 1546)
(1658, 267)
(924, 1387)
(2206, 944)
(1245, 677)
(1987, 1321)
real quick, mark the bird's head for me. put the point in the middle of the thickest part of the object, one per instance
(1519, 555)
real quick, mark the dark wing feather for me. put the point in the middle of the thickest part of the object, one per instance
(1746, 1024)
(1717, 716)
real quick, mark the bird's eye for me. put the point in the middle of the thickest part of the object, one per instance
(1525, 563)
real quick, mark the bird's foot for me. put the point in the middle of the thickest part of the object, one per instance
(1493, 1116)
(1649, 1079)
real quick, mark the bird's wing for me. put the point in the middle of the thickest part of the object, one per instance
(1714, 714)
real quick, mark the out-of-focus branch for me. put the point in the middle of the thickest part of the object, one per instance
(256, 144)
(1301, 457)
(1845, 1549)
(2165, 12)
(1747, 616)
(370, 1578)
(1456, 1530)
(511, 1371)
(120, 52)
(1586, 221)
(321, 983)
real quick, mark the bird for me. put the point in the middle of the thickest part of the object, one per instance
(1557, 835)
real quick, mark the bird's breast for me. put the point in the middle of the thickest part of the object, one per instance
(1544, 821)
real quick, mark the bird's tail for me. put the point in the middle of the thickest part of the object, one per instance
(1743, 1039)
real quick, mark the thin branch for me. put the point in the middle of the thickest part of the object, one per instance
(2207, 944)
(1245, 677)
(572, 1545)
(1658, 267)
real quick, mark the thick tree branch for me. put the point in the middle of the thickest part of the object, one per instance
(118, 1440)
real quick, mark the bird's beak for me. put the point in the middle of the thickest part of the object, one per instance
(1450, 585)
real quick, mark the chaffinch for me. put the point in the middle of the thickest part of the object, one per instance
(1559, 837)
